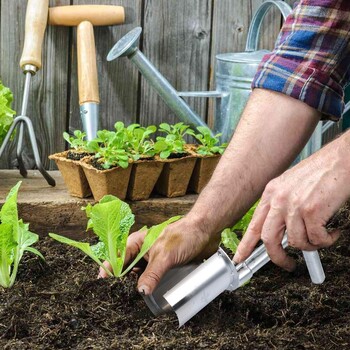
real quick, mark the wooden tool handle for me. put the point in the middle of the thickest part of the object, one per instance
(36, 21)
(87, 67)
(98, 15)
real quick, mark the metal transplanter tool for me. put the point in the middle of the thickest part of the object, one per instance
(187, 290)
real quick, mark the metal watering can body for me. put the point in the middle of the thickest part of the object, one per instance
(234, 75)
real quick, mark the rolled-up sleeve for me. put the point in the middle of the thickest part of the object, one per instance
(311, 60)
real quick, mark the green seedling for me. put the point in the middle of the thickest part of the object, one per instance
(111, 220)
(229, 238)
(6, 113)
(109, 147)
(138, 141)
(77, 142)
(15, 239)
(209, 145)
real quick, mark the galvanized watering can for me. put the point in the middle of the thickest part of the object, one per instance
(234, 75)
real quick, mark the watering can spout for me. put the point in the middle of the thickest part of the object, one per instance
(127, 46)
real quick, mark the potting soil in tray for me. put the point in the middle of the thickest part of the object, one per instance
(61, 305)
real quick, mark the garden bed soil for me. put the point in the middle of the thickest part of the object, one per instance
(61, 305)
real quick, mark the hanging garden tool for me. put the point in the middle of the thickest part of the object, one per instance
(35, 25)
(187, 290)
(84, 17)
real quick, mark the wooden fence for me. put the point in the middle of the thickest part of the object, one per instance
(180, 37)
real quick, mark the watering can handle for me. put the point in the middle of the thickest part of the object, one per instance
(255, 25)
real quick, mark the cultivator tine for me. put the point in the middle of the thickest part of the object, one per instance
(22, 121)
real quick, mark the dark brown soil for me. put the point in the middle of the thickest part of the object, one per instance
(61, 305)
(77, 155)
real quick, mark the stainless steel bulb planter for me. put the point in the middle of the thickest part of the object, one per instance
(187, 290)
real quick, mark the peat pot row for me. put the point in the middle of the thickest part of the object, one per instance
(172, 177)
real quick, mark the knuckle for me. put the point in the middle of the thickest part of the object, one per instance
(270, 188)
(153, 276)
(310, 209)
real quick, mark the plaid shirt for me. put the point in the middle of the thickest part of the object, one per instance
(311, 60)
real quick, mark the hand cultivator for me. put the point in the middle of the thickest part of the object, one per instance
(36, 20)
(188, 289)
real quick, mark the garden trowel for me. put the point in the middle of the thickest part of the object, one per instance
(85, 17)
(188, 289)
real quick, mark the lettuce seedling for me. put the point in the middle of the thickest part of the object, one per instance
(109, 147)
(208, 144)
(138, 141)
(111, 220)
(6, 113)
(229, 237)
(15, 239)
(76, 142)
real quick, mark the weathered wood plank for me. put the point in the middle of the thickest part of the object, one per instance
(118, 80)
(52, 209)
(48, 98)
(176, 39)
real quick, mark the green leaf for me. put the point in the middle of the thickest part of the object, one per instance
(6, 113)
(111, 222)
(243, 224)
(7, 246)
(230, 240)
(8, 212)
(35, 251)
(84, 247)
(152, 235)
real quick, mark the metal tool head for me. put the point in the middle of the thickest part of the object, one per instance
(187, 290)
(126, 45)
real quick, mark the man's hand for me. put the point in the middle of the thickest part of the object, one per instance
(180, 243)
(301, 201)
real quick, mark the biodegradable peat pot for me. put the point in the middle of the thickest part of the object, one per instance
(175, 176)
(112, 181)
(143, 178)
(203, 170)
(73, 175)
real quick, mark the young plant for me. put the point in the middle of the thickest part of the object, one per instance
(208, 144)
(15, 239)
(77, 142)
(173, 142)
(109, 147)
(229, 238)
(138, 141)
(6, 113)
(111, 220)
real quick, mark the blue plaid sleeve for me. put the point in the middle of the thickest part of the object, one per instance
(311, 61)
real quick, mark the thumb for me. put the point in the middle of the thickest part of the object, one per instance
(152, 275)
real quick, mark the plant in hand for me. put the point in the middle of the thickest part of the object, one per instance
(6, 113)
(173, 143)
(15, 239)
(138, 141)
(111, 220)
(209, 145)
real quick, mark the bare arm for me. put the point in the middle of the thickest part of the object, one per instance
(273, 130)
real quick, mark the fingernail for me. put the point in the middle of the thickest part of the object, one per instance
(143, 290)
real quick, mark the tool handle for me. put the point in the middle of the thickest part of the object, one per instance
(98, 15)
(87, 67)
(314, 265)
(35, 25)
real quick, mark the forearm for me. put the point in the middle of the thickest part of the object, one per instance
(272, 131)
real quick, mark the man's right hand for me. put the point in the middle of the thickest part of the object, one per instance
(180, 243)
